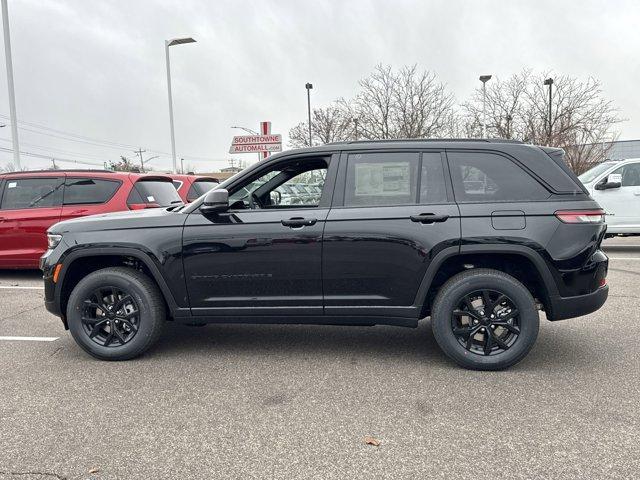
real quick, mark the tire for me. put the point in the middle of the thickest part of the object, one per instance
(458, 315)
(136, 333)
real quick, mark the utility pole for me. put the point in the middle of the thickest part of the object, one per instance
(355, 124)
(549, 81)
(484, 79)
(139, 152)
(309, 86)
(12, 94)
(182, 166)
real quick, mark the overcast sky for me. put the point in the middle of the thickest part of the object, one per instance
(96, 69)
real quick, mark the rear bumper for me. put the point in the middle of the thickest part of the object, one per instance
(562, 308)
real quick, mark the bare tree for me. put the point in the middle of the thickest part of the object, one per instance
(408, 103)
(582, 122)
(328, 124)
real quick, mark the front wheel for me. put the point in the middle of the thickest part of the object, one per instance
(115, 313)
(485, 319)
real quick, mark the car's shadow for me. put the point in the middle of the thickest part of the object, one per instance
(554, 351)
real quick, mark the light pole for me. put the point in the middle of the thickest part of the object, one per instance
(167, 44)
(484, 79)
(309, 86)
(12, 95)
(549, 81)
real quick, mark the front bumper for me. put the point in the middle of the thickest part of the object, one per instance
(561, 308)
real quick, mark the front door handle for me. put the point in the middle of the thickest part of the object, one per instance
(429, 218)
(299, 222)
(82, 211)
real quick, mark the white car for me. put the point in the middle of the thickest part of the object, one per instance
(616, 187)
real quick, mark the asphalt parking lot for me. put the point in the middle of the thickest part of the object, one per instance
(242, 401)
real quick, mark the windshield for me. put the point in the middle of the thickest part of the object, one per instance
(591, 174)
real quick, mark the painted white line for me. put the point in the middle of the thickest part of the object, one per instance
(17, 287)
(30, 339)
(624, 258)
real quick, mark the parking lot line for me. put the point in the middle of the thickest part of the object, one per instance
(624, 258)
(17, 287)
(30, 339)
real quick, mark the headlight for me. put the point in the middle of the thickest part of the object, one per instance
(53, 240)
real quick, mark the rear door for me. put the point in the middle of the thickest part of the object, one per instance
(87, 196)
(393, 212)
(29, 206)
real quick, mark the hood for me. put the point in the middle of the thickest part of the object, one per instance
(152, 217)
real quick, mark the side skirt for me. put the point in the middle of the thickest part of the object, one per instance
(305, 320)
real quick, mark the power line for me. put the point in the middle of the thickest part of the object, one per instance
(49, 157)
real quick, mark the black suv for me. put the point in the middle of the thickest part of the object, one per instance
(478, 235)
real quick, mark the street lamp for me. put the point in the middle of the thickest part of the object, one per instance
(309, 86)
(549, 81)
(12, 95)
(167, 44)
(484, 79)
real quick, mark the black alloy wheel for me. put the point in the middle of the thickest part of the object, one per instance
(486, 322)
(110, 316)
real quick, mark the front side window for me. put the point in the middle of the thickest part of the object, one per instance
(284, 186)
(489, 177)
(88, 190)
(22, 193)
(389, 178)
(630, 174)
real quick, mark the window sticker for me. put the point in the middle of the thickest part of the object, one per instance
(12, 184)
(393, 178)
(151, 198)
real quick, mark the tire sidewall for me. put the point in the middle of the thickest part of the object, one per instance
(447, 302)
(130, 285)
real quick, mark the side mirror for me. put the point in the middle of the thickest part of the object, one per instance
(612, 181)
(216, 201)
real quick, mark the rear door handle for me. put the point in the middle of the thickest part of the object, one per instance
(429, 218)
(82, 211)
(299, 222)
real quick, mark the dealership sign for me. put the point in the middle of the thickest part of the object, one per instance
(256, 143)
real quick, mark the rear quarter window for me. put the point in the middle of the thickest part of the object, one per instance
(489, 177)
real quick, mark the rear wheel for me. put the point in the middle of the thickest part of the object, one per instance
(115, 313)
(485, 319)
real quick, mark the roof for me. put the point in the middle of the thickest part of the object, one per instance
(85, 173)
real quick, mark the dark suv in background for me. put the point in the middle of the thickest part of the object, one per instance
(478, 235)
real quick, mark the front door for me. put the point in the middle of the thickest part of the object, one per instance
(29, 206)
(396, 214)
(622, 204)
(263, 256)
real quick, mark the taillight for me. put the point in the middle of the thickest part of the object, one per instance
(142, 206)
(580, 216)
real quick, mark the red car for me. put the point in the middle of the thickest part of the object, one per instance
(190, 187)
(30, 202)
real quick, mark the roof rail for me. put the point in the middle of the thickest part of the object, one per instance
(62, 170)
(420, 140)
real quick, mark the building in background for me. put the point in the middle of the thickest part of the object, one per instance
(623, 149)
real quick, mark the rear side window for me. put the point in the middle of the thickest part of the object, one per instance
(89, 190)
(199, 188)
(153, 193)
(432, 182)
(389, 178)
(20, 193)
(489, 177)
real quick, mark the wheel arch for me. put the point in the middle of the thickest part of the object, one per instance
(522, 262)
(76, 265)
